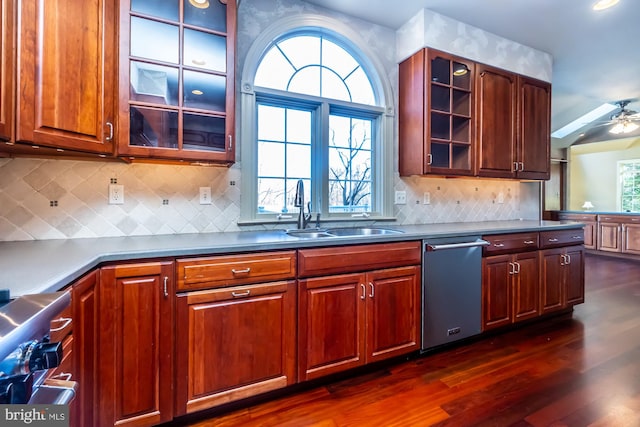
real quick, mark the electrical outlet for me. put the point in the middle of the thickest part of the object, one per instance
(426, 198)
(116, 194)
(205, 195)
(401, 198)
(501, 197)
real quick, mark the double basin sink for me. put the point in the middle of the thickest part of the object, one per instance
(315, 233)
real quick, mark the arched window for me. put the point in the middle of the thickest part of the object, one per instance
(318, 116)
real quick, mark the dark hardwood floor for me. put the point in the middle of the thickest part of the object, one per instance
(576, 370)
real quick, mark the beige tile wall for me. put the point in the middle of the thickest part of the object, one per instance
(29, 186)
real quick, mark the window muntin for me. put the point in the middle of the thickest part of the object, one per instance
(629, 197)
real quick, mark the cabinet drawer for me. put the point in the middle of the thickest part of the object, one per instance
(614, 218)
(228, 270)
(508, 243)
(348, 259)
(577, 217)
(236, 292)
(550, 239)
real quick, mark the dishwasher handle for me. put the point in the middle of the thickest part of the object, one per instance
(445, 246)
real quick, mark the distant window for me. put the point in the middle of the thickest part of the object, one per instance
(629, 194)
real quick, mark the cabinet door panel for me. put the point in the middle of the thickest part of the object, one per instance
(535, 129)
(574, 272)
(234, 343)
(609, 237)
(84, 300)
(393, 312)
(526, 287)
(7, 67)
(631, 239)
(66, 74)
(496, 291)
(552, 280)
(136, 328)
(496, 122)
(331, 322)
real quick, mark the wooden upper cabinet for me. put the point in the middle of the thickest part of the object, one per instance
(66, 74)
(457, 117)
(7, 67)
(177, 81)
(534, 128)
(496, 121)
(436, 114)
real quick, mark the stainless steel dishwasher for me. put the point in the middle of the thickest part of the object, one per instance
(451, 289)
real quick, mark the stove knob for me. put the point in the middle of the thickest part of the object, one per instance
(45, 356)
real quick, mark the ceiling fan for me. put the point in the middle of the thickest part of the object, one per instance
(624, 120)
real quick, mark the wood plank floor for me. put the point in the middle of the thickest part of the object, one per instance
(579, 370)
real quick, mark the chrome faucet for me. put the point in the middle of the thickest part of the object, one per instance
(303, 219)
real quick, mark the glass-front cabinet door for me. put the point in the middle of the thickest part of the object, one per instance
(449, 117)
(177, 80)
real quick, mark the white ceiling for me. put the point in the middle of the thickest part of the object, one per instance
(596, 55)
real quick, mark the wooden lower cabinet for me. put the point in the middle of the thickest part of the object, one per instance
(510, 289)
(562, 278)
(136, 344)
(631, 238)
(349, 320)
(609, 236)
(84, 312)
(233, 343)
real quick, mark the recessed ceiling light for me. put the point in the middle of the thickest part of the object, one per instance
(604, 4)
(200, 4)
(197, 92)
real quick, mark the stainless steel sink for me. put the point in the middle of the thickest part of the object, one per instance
(315, 233)
(362, 231)
(309, 234)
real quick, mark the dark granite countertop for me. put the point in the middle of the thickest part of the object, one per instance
(30, 267)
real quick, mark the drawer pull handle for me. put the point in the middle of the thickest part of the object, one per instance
(164, 287)
(240, 294)
(245, 271)
(499, 245)
(528, 242)
(577, 237)
(372, 294)
(364, 291)
(65, 376)
(66, 321)
(553, 240)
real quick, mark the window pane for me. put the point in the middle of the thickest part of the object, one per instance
(271, 195)
(337, 59)
(270, 159)
(298, 126)
(298, 161)
(350, 164)
(360, 87)
(204, 50)
(154, 40)
(153, 83)
(204, 91)
(306, 81)
(274, 71)
(271, 123)
(302, 51)
(334, 87)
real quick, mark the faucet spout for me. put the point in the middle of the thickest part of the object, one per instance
(299, 202)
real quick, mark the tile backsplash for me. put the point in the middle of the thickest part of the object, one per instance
(56, 199)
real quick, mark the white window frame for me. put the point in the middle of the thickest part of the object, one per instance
(619, 176)
(383, 127)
